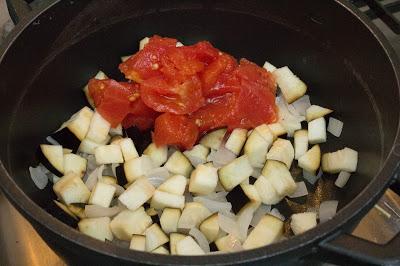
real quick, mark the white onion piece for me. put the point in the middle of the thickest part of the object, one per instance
(113, 168)
(218, 196)
(302, 104)
(118, 189)
(90, 166)
(310, 177)
(188, 196)
(200, 239)
(335, 127)
(259, 213)
(275, 212)
(214, 206)
(301, 190)
(107, 171)
(342, 179)
(228, 225)
(94, 211)
(327, 209)
(222, 157)
(256, 172)
(243, 221)
(94, 176)
(159, 172)
(156, 181)
(211, 155)
(52, 141)
(291, 122)
(38, 177)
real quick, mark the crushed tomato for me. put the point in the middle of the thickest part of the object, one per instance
(185, 92)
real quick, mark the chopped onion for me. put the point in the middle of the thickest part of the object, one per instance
(275, 212)
(188, 197)
(310, 177)
(222, 157)
(219, 188)
(228, 224)
(327, 209)
(39, 177)
(114, 168)
(302, 104)
(213, 205)
(65, 209)
(259, 213)
(243, 221)
(90, 166)
(301, 190)
(118, 189)
(93, 177)
(289, 119)
(159, 172)
(52, 141)
(342, 179)
(335, 127)
(94, 211)
(200, 239)
(218, 196)
(211, 155)
(120, 243)
(256, 172)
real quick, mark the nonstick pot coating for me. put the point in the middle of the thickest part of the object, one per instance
(344, 67)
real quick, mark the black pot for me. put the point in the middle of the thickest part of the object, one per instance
(346, 62)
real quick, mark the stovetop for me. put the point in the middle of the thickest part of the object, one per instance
(21, 245)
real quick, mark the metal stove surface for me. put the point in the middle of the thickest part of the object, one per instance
(21, 245)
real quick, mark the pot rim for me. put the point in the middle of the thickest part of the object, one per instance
(347, 214)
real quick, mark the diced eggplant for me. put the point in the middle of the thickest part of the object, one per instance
(98, 228)
(88, 146)
(192, 215)
(317, 131)
(161, 200)
(277, 130)
(161, 250)
(138, 242)
(291, 86)
(266, 191)
(169, 220)
(280, 178)
(98, 129)
(235, 172)
(341, 160)
(121, 178)
(65, 209)
(197, 155)
(157, 154)
(302, 222)
(66, 138)
(143, 42)
(125, 58)
(178, 164)
(175, 185)
(269, 67)
(77, 210)
(128, 223)
(188, 247)
(213, 139)
(71, 189)
(210, 227)
(99, 75)
(203, 180)
(155, 237)
(108, 154)
(300, 143)
(282, 150)
(256, 147)
(213, 248)
(315, 111)
(52, 157)
(74, 163)
(228, 243)
(238, 198)
(153, 214)
(128, 149)
(141, 139)
(310, 161)
(267, 231)
(236, 140)
(251, 192)
(111, 180)
(174, 238)
(137, 194)
(102, 194)
(138, 167)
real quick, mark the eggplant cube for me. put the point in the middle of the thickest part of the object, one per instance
(192, 215)
(138, 242)
(74, 163)
(88, 146)
(175, 185)
(155, 237)
(174, 238)
(52, 158)
(300, 143)
(108, 154)
(178, 164)
(315, 111)
(137, 167)
(197, 155)
(161, 250)
(280, 178)
(210, 227)
(341, 160)
(256, 148)
(291, 86)
(236, 140)
(98, 129)
(302, 222)
(161, 200)
(282, 150)
(79, 123)
(317, 131)
(137, 194)
(213, 139)
(128, 223)
(235, 172)
(98, 228)
(267, 231)
(228, 243)
(188, 247)
(266, 191)
(158, 155)
(71, 189)
(128, 149)
(277, 129)
(310, 161)
(102, 194)
(203, 180)
(169, 220)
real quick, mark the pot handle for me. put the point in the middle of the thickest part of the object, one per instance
(17, 9)
(363, 250)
